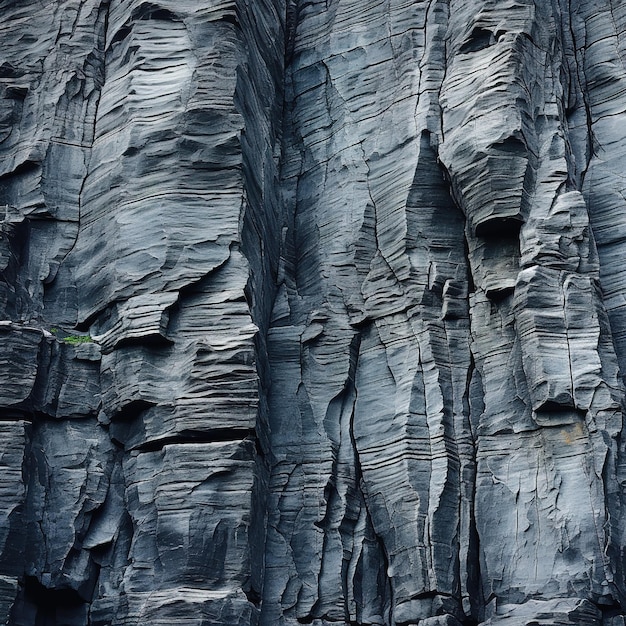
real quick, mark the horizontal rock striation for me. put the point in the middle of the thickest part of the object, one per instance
(130, 380)
(312, 312)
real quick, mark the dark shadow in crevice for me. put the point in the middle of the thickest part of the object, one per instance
(49, 602)
(154, 340)
(231, 18)
(479, 39)
(511, 146)
(215, 435)
(132, 410)
(555, 414)
(500, 228)
(149, 11)
(499, 294)
(23, 169)
(550, 406)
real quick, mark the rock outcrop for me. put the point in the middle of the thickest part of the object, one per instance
(313, 312)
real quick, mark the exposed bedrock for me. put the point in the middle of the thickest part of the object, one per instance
(312, 312)
(140, 147)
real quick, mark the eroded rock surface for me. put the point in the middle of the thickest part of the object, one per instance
(312, 312)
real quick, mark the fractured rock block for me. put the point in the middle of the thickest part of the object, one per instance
(559, 331)
(72, 461)
(189, 504)
(19, 360)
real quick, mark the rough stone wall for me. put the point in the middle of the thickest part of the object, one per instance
(129, 377)
(312, 312)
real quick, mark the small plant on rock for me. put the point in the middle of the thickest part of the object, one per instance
(71, 339)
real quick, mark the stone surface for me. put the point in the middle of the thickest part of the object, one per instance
(312, 312)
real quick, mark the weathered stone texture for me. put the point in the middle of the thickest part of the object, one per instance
(312, 312)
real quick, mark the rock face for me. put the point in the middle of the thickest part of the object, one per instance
(312, 312)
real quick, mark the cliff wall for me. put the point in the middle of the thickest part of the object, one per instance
(312, 312)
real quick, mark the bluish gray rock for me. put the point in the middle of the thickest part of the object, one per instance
(312, 313)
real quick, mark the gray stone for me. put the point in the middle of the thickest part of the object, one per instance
(312, 312)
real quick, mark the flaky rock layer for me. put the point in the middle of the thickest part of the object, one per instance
(312, 312)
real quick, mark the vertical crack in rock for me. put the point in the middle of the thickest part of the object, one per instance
(555, 387)
(312, 312)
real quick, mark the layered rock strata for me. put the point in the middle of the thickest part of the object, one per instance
(312, 312)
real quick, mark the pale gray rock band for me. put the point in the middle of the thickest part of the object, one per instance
(313, 312)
